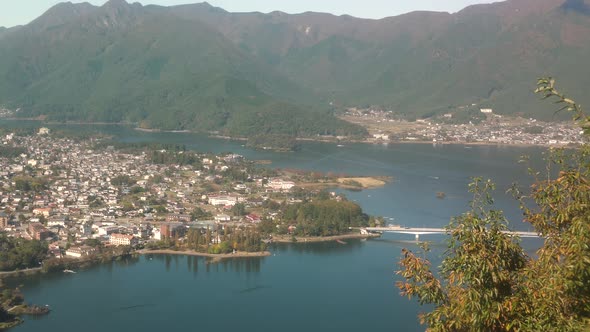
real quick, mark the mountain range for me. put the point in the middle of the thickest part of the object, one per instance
(200, 67)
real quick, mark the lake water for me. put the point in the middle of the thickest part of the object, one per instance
(311, 287)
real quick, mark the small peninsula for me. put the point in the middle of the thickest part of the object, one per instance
(86, 200)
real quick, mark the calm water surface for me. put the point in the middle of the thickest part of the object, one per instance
(301, 287)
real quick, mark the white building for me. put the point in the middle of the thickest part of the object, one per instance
(156, 234)
(278, 184)
(223, 200)
(59, 222)
(383, 137)
(222, 218)
(122, 240)
(43, 131)
(78, 252)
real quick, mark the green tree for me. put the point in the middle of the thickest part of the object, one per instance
(93, 243)
(239, 210)
(486, 282)
(324, 217)
(199, 213)
(19, 253)
(5, 316)
(27, 183)
(122, 180)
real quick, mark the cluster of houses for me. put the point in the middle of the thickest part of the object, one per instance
(495, 129)
(79, 192)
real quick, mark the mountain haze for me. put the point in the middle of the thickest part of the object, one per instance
(200, 67)
(123, 62)
(422, 62)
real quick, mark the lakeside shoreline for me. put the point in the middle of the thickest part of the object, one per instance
(516, 145)
(301, 139)
(318, 239)
(375, 142)
(240, 254)
(99, 123)
(25, 272)
(148, 130)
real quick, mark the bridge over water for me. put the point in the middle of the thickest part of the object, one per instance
(425, 231)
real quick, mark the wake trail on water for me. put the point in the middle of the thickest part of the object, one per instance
(252, 289)
(136, 306)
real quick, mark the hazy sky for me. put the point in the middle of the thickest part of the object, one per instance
(15, 12)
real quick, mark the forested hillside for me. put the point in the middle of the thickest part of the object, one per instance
(199, 67)
(128, 63)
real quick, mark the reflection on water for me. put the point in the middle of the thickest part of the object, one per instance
(434, 242)
(194, 264)
(252, 289)
(320, 248)
(330, 286)
(39, 279)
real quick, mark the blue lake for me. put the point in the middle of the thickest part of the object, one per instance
(311, 287)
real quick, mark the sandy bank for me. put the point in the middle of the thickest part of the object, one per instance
(366, 181)
(353, 183)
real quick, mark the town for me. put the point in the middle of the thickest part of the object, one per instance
(81, 195)
(467, 125)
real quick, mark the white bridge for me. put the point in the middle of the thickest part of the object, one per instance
(425, 231)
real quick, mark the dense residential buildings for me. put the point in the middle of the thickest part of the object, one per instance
(69, 191)
(73, 192)
(485, 127)
(3, 220)
(38, 231)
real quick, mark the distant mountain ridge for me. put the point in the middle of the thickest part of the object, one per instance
(200, 67)
(123, 62)
(422, 62)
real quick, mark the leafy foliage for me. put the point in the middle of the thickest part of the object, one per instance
(324, 217)
(27, 183)
(480, 269)
(178, 158)
(122, 180)
(143, 65)
(5, 316)
(179, 68)
(11, 151)
(19, 253)
(487, 282)
(199, 213)
(227, 240)
(274, 142)
(422, 63)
